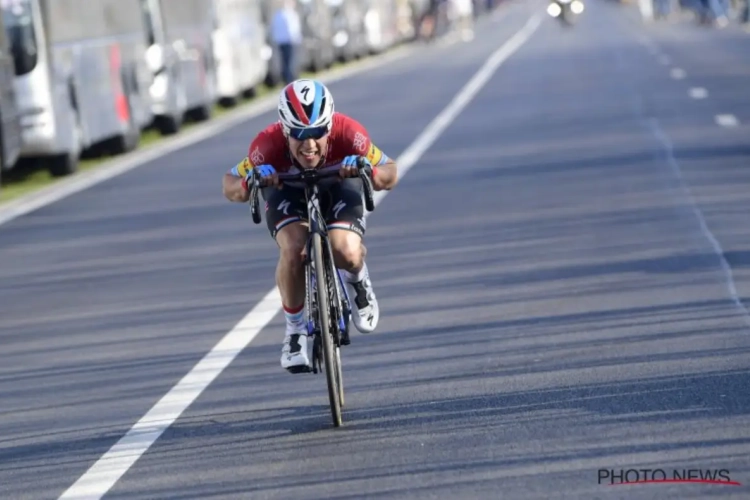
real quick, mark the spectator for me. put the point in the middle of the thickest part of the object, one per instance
(744, 13)
(662, 9)
(286, 34)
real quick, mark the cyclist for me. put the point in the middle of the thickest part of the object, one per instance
(310, 134)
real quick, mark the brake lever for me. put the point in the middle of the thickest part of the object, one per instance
(365, 173)
(254, 202)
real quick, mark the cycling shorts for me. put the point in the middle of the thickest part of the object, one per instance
(340, 204)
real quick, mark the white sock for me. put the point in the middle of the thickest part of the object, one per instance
(295, 319)
(354, 278)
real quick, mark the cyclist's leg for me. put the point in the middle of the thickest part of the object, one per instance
(286, 221)
(344, 212)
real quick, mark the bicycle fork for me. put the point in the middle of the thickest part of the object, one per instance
(343, 300)
(339, 296)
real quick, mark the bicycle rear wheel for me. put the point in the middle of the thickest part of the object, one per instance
(333, 369)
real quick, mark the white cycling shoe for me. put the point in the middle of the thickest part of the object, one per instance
(365, 310)
(295, 354)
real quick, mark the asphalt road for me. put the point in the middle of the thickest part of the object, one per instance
(564, 280)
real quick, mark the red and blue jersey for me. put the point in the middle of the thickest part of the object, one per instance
(347, 137)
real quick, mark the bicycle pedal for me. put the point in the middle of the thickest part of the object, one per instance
(345, 340)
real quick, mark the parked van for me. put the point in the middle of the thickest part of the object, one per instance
(10, 125)
(181, 59)
(240, 49)
(81, 77)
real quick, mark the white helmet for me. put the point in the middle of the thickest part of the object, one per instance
(305, 104)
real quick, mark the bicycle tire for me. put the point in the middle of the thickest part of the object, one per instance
(340, 376)
(324, 311)
(336, 287)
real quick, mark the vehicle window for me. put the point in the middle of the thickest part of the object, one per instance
(19, 26)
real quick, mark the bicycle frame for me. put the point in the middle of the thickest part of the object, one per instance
(337, 293)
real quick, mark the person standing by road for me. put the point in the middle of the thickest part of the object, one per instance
(286, 34)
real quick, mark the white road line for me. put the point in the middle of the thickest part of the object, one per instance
(727, 120)
(698, 93)
(666, 143)
(678, 73)
(84, 180)
(103, 475)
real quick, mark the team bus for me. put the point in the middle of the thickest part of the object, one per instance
(81, 78)
(180, 56)
(240, 49)
(10, 125)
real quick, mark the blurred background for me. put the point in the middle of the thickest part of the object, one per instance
(83, 79)
(718, 13)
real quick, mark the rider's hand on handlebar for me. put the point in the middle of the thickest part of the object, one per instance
(349, 167)
(267, 176)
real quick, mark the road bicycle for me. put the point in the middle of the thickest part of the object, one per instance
(328, 304)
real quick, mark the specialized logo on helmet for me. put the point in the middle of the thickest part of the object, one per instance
(305, 103)
(305, 89)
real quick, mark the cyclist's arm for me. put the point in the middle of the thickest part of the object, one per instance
(232, 182)
(384, 168)
(264, 149)
(234, 190)
(386, 176)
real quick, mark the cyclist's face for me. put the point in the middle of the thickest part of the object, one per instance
(308, 152)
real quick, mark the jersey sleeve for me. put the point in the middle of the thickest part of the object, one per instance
(375, 156)
(362, 145)
(242, 168)
(261, 148)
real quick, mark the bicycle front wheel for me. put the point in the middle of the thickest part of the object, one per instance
(324, 310)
